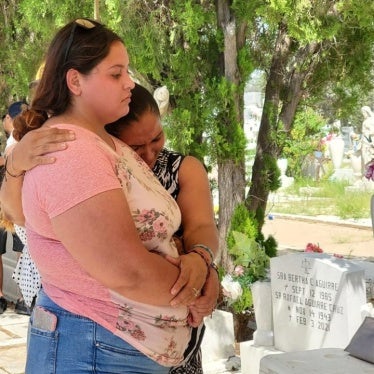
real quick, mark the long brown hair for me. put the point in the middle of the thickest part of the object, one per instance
(81, 44)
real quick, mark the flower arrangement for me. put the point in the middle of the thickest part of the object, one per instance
(310, 247)
(251, 263)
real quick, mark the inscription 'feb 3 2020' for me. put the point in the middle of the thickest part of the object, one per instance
(316, 301)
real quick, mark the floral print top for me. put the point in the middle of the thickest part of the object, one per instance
(160, 332)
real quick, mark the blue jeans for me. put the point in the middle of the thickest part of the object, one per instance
(62, 342)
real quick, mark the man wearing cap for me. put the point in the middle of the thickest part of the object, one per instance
(13, 111)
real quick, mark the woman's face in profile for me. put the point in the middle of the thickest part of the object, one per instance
(145, 136)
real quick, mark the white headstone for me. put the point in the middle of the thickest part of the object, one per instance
(219, 339)
(368, 267)
(262, 304)
(316, 301)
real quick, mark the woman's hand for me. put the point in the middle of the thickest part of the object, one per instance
(206, 303)
(191, 280)
(34, 147)
(29, 152)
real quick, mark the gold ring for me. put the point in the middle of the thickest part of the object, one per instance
(196, 292)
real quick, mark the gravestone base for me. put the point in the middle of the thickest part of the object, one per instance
(220, 367)
(219, 342)
(324, 360)
(251, 355)
(343, 175)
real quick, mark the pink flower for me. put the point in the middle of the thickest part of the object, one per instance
(129, 325)
(369, 170)
(159, 225)
(146, 215)
(239, 270)
(329, 137)
(310, 247)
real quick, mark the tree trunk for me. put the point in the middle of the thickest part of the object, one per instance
(231, 192)
(279, 111)
(256, 200)
(231, 174)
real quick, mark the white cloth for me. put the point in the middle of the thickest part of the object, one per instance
(26, 274)
(10, 141)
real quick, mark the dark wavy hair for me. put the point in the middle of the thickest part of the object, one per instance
(73, 47)
(141, 102)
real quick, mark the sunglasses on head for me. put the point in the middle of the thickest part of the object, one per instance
(80, 22)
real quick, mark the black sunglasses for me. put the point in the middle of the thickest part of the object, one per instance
(80, 22)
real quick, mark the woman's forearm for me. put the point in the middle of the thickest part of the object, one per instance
(103, 239)
(205, 234)
(11, 199)
(32, 150)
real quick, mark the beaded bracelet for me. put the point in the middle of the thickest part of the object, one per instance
(215, 267)
(10, 156)
(203, 255)
(205, 248)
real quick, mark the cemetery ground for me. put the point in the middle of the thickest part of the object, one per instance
(335, 236)
(327, 213)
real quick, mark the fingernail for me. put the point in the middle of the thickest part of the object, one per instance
(72, 135)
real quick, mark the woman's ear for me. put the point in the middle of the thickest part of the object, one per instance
(73, 82)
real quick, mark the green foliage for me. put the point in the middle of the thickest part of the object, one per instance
(271, 173)
(244, 223)
(306, 134)
(228, 140)
(249, 254)
(251, 264)
(181, 48)
(326, 197)
(245, 301)
(352, 205)
(27, 29)
(241, 221)
(269, 244)
(306, 20)
(244, 10)
(180, 44)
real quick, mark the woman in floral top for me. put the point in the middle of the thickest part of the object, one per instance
(185, 178)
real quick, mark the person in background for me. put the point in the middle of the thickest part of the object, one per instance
(3, 236)
(7, 227)
(14, 110)
(3, 242)
(121, 293)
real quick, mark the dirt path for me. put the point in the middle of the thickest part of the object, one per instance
(339, 238)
